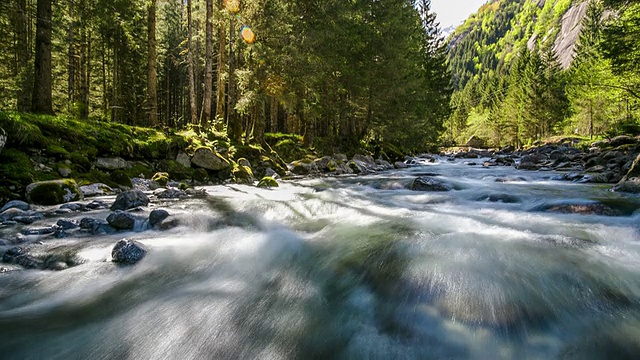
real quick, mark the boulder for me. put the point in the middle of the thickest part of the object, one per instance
(157, 216)
(111, 164)
(64, 171)
(183, 159)
(475, 142)
(128, 252)
(53, 192)
(631, 185)
(622, 140)
(16, 204)
(582, 209)
(129, 200)
(68, 224)
(97, 189)
(161, 178)
(426, 183)
(326, 164)
(121, 220)
(206, 158)
(303, 167)
(401, 165)
(170, 194)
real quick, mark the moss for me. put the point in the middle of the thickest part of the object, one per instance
(94, 176)
(268, 182)
(175, 170)
(139, 169)
(290, 150)
(57, 152)
(200, 175)
(53, 192)
(242, 173)
(121, 178)
(183, 186)
(80, 162)
(162, 178)
(16, 165)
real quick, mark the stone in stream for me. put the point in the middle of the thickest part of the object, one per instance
(128, 252)
(157, 216)
(582, 209)
(121, 220)
(68, 224)
(425, 183)
(16, 204)
(130, 199)
(49, 230)
(17, 255)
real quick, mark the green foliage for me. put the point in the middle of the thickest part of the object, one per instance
(162, 178)
(268, 182)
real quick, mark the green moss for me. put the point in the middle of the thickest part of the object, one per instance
(121, 178)
(162, 178)
(139, 169)
(80, 162)
(183, 186)
(200, 175)
(16, 166)
(175, 170)
(242, 174)
(57, 152)
(53, 192)
(268, 182)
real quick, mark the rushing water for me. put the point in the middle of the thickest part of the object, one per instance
(349, 268)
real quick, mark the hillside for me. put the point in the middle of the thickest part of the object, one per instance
(525, 70)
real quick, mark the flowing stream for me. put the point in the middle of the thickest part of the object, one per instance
(349, 268)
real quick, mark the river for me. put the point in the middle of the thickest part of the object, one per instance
(350, 268)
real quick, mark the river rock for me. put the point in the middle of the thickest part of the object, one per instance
(73, 206)
(157, 216)
(426, 183)
(128, 252)
(111, 164)
(303, 167)
(48, 230)
(206, 158)
(53, 192)
(16, 204)
(631, 186)
(18, 255)
(129, 200)
(121, 220)
(401, 165)
(97, 189)
(582, 209)
(68, 224)
(64, 171)
(170, 194)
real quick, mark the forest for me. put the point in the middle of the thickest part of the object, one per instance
(513, 88)
(339, 73)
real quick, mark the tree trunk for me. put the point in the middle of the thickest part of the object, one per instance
(192, 84)
(208, 68)
(23, 52)
(220, 88)
(72, 58)
(41, 102)
(151, 65)
(235, 126)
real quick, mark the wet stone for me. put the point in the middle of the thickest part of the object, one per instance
(128, 252)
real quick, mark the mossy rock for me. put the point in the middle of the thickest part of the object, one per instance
(53, 192)
(121, 178)
(242, 174)
(80, 162)
(268, 182)
(290, 150)
(139, 170)
(200, 175)
(162, 178)
(57, 152)
(175, 170)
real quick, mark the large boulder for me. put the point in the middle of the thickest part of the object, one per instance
(475, 142)
(426, 183)
(128, 252)
(53, 192)
(97, 189)
(121, 220)
(206, 158)
(157, 216)
(129, 200)
(16, 204)
(110, 164)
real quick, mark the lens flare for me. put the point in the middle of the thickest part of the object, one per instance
(233, 6)
(248, 35)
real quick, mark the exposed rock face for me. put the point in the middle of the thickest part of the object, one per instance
(53, 192)
(111, 164)
(129, 200)
(426, 183)
(128, 252)
(569, 33)
(209, 159)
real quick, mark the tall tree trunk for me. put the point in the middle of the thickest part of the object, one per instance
(151, 65)
(259, 125)
(72, 58)
(41, 102)
(235, 125)
(220, 88)
(104, 79)
(208, 68)
(23, 52)
(86, 74)
(192, 80)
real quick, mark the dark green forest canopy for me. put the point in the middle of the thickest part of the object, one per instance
(526, 70)
(338, 72)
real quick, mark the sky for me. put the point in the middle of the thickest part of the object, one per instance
(453, 12)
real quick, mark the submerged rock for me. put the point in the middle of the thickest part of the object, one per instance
(129, 200)
(425, 183)
(128, 252)
(582, 209)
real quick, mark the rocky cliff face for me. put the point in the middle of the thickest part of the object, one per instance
(569, 32)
